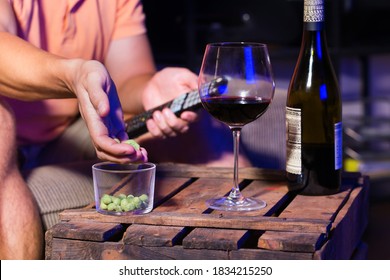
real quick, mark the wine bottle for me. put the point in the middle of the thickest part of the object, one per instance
(314, 113)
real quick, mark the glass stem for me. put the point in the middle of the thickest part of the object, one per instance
(235, 192)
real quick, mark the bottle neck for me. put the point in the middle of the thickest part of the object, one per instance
(313, 15)
(314, 22)
(314, 26)
(314, 43)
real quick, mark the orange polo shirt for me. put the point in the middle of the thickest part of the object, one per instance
(73, 29)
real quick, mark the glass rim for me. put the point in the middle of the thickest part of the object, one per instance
(237, 44)
(99, 167)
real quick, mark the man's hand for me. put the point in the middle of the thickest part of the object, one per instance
(100, 108)
(166, 85)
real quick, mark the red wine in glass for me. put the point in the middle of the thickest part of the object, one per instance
(235, 111)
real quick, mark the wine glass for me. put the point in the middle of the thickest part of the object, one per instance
(236, 86)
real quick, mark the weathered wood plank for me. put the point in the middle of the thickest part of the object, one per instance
(193, 198)
(49, 244)
(215, 239)
(291, 241)
(274, 193)
(68, 249)
(87, 231)
(166, 187)
(316, 207)
(188, 200)
(224, 239)
(174, 253)
(186, 207)
(205, 220)
(157, 236)
(260, 254)
(348, 227)
(86, 250)
(188, 171)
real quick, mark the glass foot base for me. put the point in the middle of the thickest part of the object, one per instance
(228, 204)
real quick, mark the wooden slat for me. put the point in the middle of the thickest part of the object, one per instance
(349, 226)
(224, 239)
(259, 254)
(291, 241)
(310, 207)
(316, 207)
(86, 250)
(158, 236)
(188, 200)
(167, 187)
(215, 239)
(193, 198)
(68, 249)
(275, 194)
(172, 253)
(190, 171)
(87, 231)
(205, 220)
(185, 209)
(320, 207)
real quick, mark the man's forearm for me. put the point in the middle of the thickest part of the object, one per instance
(131, 94)
(28, 73)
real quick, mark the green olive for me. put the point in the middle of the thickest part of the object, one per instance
(116, 200)
(111, 206)
(106, 199)
(137, 202)
(132, 143)
(129, 206)
(143, 197)
(123, 203)
(103, 206)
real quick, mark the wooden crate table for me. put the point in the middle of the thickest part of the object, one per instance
(181, 226)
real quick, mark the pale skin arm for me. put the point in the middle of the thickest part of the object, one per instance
(140, 87)
(27, 73)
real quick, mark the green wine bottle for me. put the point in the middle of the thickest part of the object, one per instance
(314, 113)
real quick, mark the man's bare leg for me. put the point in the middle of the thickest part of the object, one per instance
(21, 233)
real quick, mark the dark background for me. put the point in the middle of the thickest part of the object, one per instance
(180, 29)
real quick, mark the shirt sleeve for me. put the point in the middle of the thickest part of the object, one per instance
(130, 19)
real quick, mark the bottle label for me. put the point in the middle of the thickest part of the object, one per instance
(294, 140)
(338, 146)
